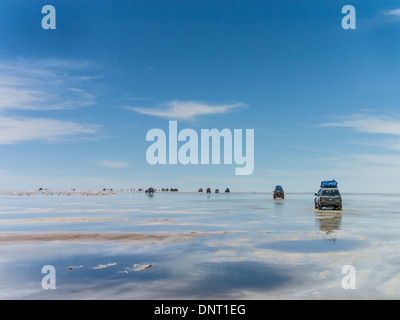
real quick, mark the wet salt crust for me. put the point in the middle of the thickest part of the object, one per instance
(193, 246)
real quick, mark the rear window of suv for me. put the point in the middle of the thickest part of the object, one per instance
(332, 192)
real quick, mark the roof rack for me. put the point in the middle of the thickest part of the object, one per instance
(329, 184)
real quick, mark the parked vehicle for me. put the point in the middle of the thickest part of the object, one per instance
(149, 190)
(227, 190)
(216, 190)
(279, 193)
(208, 190)
(200, 190)
(328, 196)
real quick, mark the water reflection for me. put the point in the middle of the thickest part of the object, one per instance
(235, 245)
(328, 221)
(278, 202)
(224, 279)
(313, 245)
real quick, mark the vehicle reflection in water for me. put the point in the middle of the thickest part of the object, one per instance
(278, 202)
(328, 220)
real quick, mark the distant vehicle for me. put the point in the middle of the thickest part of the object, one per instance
(173, 189)
(227, 190)
(216, 190)
(328, 196)
(150, 190)
(208, 190)
(200, 190)
(279, 193)
(140, 189)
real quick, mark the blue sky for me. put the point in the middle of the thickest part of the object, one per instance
(76, 102)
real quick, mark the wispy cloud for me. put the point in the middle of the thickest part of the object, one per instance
(366, 161)
(187, 110)
(383, 132)
(388, 143)
(368, 124)
(19, 129)
(394, 12)
(112, 164)
(43, 85)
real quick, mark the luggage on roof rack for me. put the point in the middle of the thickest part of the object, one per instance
(329, 184)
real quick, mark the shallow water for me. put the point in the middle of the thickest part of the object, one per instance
(211, 246)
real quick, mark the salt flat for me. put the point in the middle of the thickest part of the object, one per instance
(198, 246)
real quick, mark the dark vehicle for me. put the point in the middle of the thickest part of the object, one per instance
(227, 190)
(279, 193)
(200, 190)
(208, 190)
(328, 196)
(149, 190)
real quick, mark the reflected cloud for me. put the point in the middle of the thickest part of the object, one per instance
(314, 245)
(224, 279)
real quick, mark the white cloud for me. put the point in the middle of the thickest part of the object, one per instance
(187, 110)
(18, 129)
(394, 12)
(20, 98)
(373, 171)
(41, 85)
(112, 164)
(369, 124)
(366, 161)
(390, 144)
